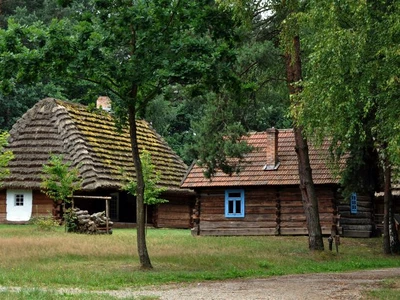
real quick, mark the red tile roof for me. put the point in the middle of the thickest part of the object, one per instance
(253, 167)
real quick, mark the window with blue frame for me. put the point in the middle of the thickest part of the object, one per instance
(353, 203)
(234, 203)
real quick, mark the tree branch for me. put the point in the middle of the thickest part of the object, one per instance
(101, 84)
(171, 17)
(248, 68)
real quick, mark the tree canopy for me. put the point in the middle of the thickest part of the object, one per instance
(151, 178)
(353, 98)
(351, 89)
(130, 51)
(258, 72)
(59, 180)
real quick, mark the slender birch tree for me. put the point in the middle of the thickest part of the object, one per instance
(352, 89)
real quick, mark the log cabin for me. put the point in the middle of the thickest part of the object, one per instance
(264, 197)
(89, 140)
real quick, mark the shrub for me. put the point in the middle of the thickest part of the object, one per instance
(45, 223)
(71, 220)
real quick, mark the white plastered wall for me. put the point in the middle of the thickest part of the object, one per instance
(19, 213)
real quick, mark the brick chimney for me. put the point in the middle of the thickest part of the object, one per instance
(272, 162)
(104, 102)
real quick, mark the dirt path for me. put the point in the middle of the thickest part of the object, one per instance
(312, 286)
(347, 286)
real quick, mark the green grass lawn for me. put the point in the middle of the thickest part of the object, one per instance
(55, 259)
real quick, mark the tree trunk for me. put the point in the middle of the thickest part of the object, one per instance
(308, 195)
(140, 218)
(391, 242)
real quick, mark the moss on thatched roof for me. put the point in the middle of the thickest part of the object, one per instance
(90, 141)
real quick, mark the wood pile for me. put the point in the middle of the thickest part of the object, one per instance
(83, 222)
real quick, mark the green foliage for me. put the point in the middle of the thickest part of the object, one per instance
(59, 180)
(71, 220)
(151, 178)
(43, 294)
(263, 84)
(207, 55)
(255, 99)
(45, 223)
(5, 156)
(219, 135)
(17, 95)
(352, 98)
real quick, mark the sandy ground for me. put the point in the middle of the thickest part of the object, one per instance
(312, 286)
(349, 285)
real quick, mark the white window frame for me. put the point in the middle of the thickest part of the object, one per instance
(234, 202)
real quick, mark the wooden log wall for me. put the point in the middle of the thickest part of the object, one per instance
(292, 218)
(260, 214)
(379, 211)
(43, 206)
(3, 202)
(360, 224)
(268, 211)
(176, 213)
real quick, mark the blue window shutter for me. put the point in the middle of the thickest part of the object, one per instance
(353, 203)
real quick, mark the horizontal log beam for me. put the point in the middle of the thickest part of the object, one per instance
(239, 232)
(356, 233)
(236, 225)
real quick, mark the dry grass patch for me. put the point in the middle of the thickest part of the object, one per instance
(57, 259)
(61, 245)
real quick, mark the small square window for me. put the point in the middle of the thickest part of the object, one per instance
(19, 200)
(234, 203)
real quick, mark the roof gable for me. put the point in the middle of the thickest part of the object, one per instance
(90, 141)
(254, 170)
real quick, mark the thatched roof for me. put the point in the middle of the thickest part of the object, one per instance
(90, 141)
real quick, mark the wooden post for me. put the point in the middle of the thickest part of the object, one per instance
(63, 213)
(107, 213)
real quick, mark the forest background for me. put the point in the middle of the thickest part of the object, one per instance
(180, 111)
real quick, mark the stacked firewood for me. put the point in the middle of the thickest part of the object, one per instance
(81, 221)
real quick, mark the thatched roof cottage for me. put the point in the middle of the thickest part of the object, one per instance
(90, 141)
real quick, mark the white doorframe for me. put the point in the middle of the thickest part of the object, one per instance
(19, 205)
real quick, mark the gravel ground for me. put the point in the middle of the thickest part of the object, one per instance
(312, 286)
(350, 285)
